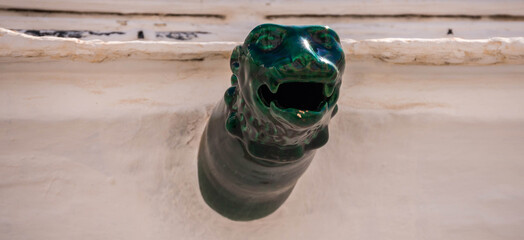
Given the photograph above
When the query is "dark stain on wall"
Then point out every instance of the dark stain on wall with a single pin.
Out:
(183, 36)
(67, 33)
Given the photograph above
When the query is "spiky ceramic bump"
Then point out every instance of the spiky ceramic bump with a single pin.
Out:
(262, 137)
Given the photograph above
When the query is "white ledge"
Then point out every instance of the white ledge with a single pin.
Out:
(444, 51)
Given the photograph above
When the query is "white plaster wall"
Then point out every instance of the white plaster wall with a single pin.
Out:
(108, 150)
(98, 138)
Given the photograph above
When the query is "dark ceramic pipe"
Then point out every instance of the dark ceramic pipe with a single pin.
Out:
(262, 137)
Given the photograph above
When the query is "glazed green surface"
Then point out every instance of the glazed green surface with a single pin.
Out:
(272, 55)
(261, 138)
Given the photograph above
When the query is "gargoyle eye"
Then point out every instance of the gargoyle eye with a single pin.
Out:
(269, 40)
(325, 37)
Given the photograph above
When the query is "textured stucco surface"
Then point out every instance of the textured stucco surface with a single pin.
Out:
(99, 135)
(108, 150)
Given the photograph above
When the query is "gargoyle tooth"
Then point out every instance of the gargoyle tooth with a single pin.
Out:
(329, 88)
(273, 86)
(324, 108)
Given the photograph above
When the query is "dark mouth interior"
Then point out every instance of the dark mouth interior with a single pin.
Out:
(297, 95)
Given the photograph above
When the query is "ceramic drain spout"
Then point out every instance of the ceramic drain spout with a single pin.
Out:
(263, 135)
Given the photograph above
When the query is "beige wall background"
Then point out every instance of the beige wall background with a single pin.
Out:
(99, 133)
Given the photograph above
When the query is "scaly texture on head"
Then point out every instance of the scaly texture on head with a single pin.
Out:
(285, 85)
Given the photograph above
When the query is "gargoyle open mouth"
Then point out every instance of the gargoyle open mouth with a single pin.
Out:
(305, 96)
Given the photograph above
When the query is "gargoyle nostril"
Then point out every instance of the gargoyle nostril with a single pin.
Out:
(298, 63)
(314, 66)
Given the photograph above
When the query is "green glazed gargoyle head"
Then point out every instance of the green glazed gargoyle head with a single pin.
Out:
(286, 82)
(262, 137)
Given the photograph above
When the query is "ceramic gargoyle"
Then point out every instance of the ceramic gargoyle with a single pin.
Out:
(263, 135)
